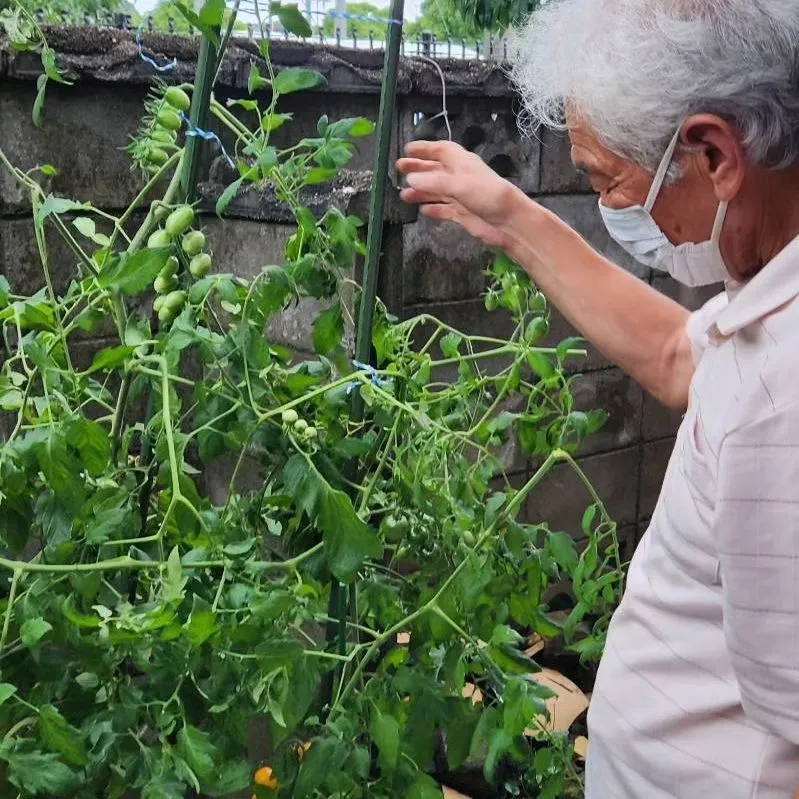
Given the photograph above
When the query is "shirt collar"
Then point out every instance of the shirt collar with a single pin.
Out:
(772, 287)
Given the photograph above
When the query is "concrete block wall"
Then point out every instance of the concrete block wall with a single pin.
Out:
(426, 268)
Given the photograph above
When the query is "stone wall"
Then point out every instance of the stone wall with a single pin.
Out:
(428, 268)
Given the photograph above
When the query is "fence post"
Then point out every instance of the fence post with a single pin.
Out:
(426, 42)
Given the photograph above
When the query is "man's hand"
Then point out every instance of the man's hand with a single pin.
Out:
(451, 184)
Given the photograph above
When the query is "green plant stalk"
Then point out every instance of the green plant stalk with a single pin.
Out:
(12, 595)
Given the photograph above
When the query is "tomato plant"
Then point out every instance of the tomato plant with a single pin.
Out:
(150, 614)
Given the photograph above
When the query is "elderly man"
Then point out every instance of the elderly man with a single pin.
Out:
(685, 116)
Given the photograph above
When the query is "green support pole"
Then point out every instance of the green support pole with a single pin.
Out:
(198, 115)
(385, 121)
(338, 608)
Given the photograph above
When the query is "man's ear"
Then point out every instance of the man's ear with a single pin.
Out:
(718, 152)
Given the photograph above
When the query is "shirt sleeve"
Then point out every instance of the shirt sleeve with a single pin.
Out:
(757, 532)
(700, 321)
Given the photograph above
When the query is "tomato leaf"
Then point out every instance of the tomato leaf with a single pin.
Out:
(196, 749)
(33, 630)
(385, 733)
(36, 773)
(62, 737)
(201, 624)
(38, 103)
(319, 175)
(227, 196)
(58, 206)
(295, 79)
(348, 540)
(274, 121)
(61, 470)
(88, 228)
(328, 329)
(109, 359)
(7, 690)
(356, 127)
(212, 13)
(291, 19)
(132, 274)
(92, 443)
(255, 81)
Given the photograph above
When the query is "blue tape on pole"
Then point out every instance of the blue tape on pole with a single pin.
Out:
(208, 135)
(159, 67)
(372, 372)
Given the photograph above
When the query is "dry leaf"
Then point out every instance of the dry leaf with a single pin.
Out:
(567, 704)
(450, 794)
(472, 691)
(581, 747)
(535, 644)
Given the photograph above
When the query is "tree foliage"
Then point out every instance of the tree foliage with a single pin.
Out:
(495, 15)
(74, 11)
(445, 20)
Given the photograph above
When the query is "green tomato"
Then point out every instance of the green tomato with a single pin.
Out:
(290, 417)
(300, 426)
(158, 303)
(168, 118)
(163, 136)
(310, 433)
(179, 221)
(158, 240)
(177, 98)
(165, 284)
(170, 267)
(165, 314)
(193, 243)
(200, 265)
(155, 155)
(491, 301)
(467, 536)
(536, 331)
(394, 528)
(175, 301)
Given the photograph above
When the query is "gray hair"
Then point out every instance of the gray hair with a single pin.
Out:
(635, 69)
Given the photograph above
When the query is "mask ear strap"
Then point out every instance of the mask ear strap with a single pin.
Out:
(660, 175)
(718, 223)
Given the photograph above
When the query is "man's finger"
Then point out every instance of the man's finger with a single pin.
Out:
(415, 197)
(432, 182)
(441, 212)
(408, 165)
(431, 150)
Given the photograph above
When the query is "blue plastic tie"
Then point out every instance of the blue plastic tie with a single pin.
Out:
(372, 372)
(208, 135)
(173, 64)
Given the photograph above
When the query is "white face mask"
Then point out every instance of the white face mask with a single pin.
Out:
(636, 231)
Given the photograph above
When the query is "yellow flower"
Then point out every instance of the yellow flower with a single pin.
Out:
(266, 779)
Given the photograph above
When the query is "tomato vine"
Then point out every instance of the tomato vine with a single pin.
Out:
(154, 609)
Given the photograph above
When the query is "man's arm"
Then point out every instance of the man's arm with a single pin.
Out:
(631, 323)
(628, 321)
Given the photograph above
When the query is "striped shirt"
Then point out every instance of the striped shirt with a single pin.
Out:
(697, 695)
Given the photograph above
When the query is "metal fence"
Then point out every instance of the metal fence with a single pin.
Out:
(346, 37)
